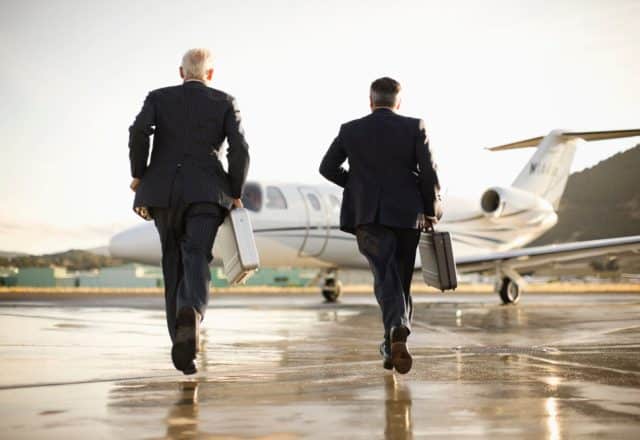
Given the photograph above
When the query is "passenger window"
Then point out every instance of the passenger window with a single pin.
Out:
(315, 203)
(335, 202)
(275, 198)
(252, 197)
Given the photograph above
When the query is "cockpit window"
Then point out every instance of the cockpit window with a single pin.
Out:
(315, 203)
(252, 197)
(275, 198)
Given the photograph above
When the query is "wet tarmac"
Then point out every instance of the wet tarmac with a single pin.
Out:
(553, 367)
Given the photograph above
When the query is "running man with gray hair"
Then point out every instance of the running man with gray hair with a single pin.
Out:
(390, 193)
(185, 190)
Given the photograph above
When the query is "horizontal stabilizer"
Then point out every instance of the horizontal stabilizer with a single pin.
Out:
(602, 135)
(533, 142)
(586, 135)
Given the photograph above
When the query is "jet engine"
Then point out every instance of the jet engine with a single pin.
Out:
(499, 202)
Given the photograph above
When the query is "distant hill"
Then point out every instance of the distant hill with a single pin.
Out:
(9, 254)
(72, 260)
(600, 202)
(102, 250)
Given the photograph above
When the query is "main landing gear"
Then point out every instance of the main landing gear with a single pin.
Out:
(332, 287)
(509, 285)
(508, 290)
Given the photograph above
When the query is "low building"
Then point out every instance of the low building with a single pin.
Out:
(141, 276)
(8, 276)
(52, 276)
(268, 277)
(129, 275)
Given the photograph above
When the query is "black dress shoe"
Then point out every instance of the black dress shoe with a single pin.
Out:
(185, 344)
(400, 356)
(385, 351)
(191, 369)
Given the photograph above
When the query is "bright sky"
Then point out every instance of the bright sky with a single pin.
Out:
(75, 74)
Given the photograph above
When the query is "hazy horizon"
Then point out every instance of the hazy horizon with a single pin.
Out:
(479, 73)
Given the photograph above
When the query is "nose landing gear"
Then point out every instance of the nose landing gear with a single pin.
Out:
(332, 287)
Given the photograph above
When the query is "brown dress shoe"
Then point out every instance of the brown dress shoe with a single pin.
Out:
(191, 369)
(400, 356)
(185, 344)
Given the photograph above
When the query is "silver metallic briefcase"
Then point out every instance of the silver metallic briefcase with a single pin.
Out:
(236, 246)
(438, 264)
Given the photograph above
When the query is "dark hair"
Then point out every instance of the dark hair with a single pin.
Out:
(384, 92)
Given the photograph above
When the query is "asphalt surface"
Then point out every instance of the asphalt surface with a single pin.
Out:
(553, 367)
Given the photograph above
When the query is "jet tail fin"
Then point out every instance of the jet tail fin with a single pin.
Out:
(547, 171)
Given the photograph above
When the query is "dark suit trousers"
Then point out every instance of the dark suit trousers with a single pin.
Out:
(391, 253)
(187, 232)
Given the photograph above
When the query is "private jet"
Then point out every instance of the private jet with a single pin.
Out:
(297, 225)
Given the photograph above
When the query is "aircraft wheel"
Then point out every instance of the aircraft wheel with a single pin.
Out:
(509, 291)
(331, 290)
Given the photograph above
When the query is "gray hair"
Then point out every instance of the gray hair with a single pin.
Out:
(196, 62)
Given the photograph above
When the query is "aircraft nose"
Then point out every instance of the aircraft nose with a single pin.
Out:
(140, 243)
(120, 245)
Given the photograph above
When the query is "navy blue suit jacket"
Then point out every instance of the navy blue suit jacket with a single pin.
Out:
(392, 177)
(189, 123)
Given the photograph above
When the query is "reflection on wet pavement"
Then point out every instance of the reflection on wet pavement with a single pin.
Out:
(286, 368)
(397, 409)
(182, 421)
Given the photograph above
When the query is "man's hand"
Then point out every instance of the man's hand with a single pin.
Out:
(134, 184)
(143, 212)
(425, 222)
(237, 203)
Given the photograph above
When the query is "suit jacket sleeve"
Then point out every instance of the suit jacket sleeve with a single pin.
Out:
(331, 166)
(238, 152)
(427, 174)
(139, 133)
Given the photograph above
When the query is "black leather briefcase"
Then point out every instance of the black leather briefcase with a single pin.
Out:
(438, 264)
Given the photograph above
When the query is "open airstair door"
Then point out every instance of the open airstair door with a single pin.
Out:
(317, 230)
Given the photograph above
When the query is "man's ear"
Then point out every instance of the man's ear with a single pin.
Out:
(181, 73)
(371, 106)
(209, 74)
(398, 103)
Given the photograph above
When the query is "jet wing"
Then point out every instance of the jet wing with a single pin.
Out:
(534, 257)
